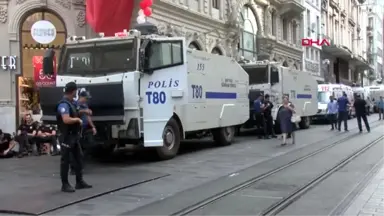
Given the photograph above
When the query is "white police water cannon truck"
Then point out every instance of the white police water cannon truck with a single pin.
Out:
(272, 78)
(151, 90)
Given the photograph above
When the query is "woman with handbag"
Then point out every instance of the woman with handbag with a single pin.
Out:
(287, 120)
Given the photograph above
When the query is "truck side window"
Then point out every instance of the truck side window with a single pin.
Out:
(165, 54)
(274, 75)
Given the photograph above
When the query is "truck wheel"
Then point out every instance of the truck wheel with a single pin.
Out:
(171, 141)
(224, 136)
(305, 123)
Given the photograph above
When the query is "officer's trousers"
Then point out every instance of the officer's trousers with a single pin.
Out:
(87, 142)
(71, 154)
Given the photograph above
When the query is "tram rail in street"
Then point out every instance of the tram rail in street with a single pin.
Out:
(215, 198)
(285, 202)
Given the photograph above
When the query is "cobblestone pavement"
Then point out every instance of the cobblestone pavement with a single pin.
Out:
(370, 202)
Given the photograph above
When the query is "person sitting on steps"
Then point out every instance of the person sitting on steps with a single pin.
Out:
(47, 134)
(26, 134)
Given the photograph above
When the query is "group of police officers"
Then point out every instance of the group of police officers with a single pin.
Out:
(338, 111)
(262, 107)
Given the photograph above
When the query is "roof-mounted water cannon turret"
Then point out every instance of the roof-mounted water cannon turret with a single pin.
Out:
(134, 32)
(146, 28)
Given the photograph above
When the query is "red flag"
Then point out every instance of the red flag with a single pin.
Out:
(109, 16)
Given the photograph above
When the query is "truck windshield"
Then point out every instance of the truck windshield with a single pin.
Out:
(323, 97)
(98, 58)
(257, 75)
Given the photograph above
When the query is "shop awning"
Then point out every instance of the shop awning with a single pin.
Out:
(109, 16)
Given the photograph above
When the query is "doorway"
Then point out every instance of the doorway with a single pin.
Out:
(39, 30)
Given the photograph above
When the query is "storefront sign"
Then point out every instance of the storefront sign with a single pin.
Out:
(8, 62)
(42, 80)
(43, 32)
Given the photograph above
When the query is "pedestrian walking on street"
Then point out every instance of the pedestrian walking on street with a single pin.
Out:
(332, 112)
(361, 113)
(268, 117)
(69, 124)
(343, 107)
(380, 106)
(285, 114)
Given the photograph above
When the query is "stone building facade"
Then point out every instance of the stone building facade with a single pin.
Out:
(345, 59)
(16, 17)
(254, 29)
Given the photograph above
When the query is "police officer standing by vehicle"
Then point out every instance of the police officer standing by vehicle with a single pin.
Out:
(69, 125)
(258, 108)
(268, 118)
(88, 128)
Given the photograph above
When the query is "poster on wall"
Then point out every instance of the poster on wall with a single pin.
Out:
(42, 80)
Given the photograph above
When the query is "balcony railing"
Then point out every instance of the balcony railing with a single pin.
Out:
(369, 28)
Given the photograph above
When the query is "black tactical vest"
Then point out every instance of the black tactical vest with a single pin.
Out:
(67, 131)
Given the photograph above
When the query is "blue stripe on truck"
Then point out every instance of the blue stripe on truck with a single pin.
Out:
(220, 95)
(303, 96)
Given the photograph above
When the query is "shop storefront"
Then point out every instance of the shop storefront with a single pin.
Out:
(28, 30)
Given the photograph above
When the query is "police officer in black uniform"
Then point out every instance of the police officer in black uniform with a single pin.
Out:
(69, 125)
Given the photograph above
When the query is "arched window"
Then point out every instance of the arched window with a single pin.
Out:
(31, 48)
(194, 45)
(32, 52)
(247, 46)
(217, 51)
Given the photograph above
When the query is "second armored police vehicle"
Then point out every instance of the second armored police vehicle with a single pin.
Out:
(275, 80)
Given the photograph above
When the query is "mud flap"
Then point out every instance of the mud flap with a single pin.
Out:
(106, 103)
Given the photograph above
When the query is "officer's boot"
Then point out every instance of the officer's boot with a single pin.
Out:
(66, 187)
(80, 183)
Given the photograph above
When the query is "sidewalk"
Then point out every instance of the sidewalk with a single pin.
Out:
(370, 202)
(34, 180)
